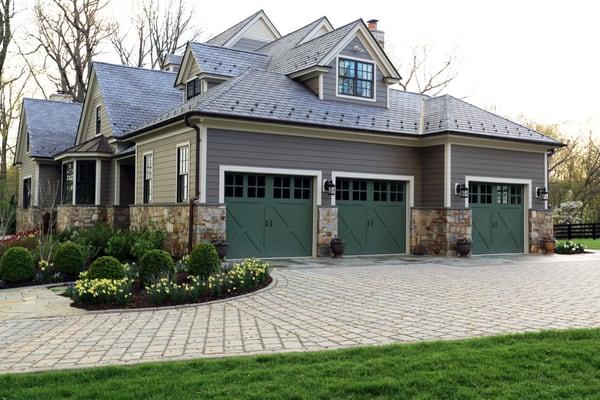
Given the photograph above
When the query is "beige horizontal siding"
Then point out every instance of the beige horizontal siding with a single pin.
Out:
(165, 167)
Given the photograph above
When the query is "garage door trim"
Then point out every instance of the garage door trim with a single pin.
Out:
(527, 203)
(410, 188)
(316, 174)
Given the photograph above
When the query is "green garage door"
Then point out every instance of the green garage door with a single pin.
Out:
(268, 216)
(497, 218)
(371, 216)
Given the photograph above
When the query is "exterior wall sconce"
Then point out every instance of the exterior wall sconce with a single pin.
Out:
(541, 193)
(462, 190)
(329, 187)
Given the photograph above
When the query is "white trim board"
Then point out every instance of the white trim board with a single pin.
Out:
(318, 184)
(448, 175)
(189, 168)
(410, 179)
(527, 204)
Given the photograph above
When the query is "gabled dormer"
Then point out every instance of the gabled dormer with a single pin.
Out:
(253, 32)
(347, 64)
(94, 117)
(204, 66)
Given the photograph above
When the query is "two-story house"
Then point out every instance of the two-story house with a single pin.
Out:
(279, 143)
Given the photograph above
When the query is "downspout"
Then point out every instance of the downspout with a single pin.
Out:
(193, 200)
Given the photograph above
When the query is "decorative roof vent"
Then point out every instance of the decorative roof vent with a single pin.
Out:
(379, 35)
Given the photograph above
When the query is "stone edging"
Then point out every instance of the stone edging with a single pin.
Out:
(180, 306)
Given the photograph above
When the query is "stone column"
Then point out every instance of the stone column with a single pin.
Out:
(210, 222)
(540, 225)
(435, 230)
(327, 222)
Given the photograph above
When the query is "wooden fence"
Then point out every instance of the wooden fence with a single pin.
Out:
(577, 231)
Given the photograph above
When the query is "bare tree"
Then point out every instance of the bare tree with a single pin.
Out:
(420, 77)
(45, 218)
(158, 32)
(7, 12)
(69, 32)
(11, 96)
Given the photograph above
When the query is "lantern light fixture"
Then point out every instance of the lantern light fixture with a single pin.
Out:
(329, 187)
(541, 193)
(462, 190)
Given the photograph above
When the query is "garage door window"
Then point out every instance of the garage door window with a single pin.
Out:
(234, 185)
(342, 189)
(302, 188)
(256, 186)
(516, 195)
(396, 192)
(480, 194)
(379, 191)
(282, 187)
(359, 190)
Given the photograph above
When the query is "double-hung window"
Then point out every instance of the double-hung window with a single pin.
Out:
(147, 195)
(183, 158)
(98, 119)
(26, 192)
(355, 78)
(193, 88)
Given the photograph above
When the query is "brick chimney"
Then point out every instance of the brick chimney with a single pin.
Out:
(61, 96)
(379, 35)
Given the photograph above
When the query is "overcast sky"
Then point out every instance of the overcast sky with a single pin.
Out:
(538, 59)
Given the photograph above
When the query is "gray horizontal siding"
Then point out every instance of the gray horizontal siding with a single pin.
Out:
(107, 183)
(277, 151)
(49, 184)
(432, 176)
(329, 79)
(478, 161)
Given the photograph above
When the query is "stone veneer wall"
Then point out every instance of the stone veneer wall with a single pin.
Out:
(118, 216)
(27, 219)
(540, 225)
(327, 229)
(69, 216)
(437, 229)
(173, 220)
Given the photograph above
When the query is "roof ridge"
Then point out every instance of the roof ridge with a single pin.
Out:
(53, 101)
(229, 48)
(292, 32)
(132, 67)
(246, 20)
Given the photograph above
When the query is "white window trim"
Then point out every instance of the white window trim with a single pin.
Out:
(189, 162)
(527, 204)
(148, 153)
(36, 189)
(337, 77)
(447, 175)
(74, 182)
(317, 185)
(98, 188)
(546, 177)
(117, 168)
(96, 134)
(203, 162)
(410, 196)
(185, 98)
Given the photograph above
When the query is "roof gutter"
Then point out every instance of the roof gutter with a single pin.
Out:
(188, 123)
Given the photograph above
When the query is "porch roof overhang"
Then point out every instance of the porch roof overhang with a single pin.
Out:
(97, 147)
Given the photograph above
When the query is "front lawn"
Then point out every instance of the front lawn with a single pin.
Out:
(559, 365)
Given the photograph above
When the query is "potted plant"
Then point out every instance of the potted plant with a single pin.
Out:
(549, 244)
(222, 247)
(418, 250)
(463, 246)
(337, 246)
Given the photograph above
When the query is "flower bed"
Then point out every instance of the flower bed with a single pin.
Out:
(569, 247)
(171, 288)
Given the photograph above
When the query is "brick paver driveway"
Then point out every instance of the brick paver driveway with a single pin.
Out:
(368, 302)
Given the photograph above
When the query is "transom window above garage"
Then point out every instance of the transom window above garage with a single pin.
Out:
(355, 78)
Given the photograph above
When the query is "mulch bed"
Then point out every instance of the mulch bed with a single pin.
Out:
(140, 299)
(66, 279)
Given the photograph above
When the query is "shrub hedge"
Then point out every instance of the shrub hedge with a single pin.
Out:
(107, 267)
(16, 265)
(154, 265)
(69, 258)
(203, 260)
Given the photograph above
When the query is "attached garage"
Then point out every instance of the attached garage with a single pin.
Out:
(269, 215)
(371, 215)
(498, 217)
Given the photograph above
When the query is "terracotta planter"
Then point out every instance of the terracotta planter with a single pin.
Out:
(549, 246)
(337, 247)
(463, 248)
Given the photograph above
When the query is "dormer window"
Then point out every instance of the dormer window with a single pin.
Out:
(98, 119)
(193, 88)
(355, 78)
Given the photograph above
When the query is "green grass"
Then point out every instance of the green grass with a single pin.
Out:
(592, 244)
(548, 365)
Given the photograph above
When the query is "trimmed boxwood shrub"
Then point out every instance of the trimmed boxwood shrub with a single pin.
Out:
(69, 258)
(16, 265)
(107, 267)
(155, 264)
(204, 260)
(119, 246)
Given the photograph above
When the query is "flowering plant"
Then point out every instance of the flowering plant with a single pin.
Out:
(167, 290)
(102, 291)
(570, 247)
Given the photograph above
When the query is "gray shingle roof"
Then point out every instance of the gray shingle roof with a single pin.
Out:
(225, 61)
(174, 59)
(52, 125)
(290, 40)
(311, 53)
(223, 37)
(270, 96)
(134, 95)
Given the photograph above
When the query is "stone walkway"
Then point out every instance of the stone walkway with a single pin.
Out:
(315, 306)
(34, 302)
